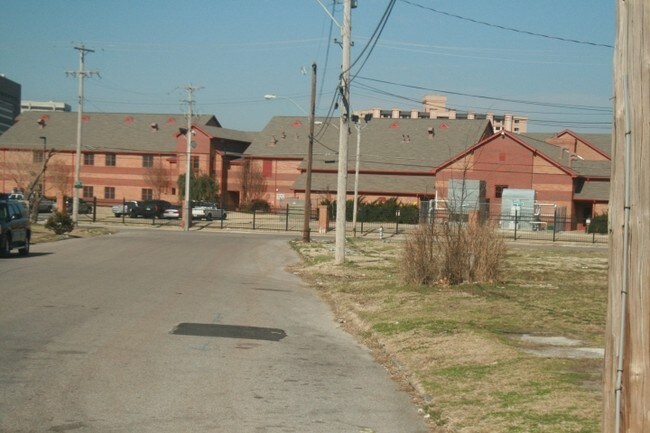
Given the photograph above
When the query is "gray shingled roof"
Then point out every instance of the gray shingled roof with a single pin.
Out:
(555, 153)
(103, 131)
(230, 134)
(390, 185)
(593, 190)
(602, 142)
(387, 145)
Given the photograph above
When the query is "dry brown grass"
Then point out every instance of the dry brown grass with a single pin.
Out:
(453, 254)
(459, 347)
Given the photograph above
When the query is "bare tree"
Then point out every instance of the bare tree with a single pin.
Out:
(627, 359)
(27, 175)
(158, 178)
(59, 175)
(22, 169)
(252, 182)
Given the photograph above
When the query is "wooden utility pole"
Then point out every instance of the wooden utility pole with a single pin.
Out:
(82, 73)
(306, 237)
(344, 136)
(627, 345)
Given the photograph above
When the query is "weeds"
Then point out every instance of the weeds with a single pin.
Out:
(452, 253)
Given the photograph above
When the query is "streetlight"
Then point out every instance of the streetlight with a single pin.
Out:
(366, 118)
(269, 97)
(310, 150)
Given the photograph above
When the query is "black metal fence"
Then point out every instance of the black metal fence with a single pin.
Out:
(552, 228)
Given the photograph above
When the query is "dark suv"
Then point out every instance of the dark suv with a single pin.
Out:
(84, 206)
(15, 228)
(150, 209)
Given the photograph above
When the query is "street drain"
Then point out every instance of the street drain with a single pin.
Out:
(229, 331)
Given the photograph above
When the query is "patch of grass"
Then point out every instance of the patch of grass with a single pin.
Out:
(461, 342)
(434, 326)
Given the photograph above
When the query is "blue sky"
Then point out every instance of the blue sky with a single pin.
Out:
(479, 53)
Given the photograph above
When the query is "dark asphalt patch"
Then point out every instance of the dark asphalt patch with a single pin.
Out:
(229, 331)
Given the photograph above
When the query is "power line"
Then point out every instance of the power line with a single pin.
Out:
(492, 98)
(511, 29)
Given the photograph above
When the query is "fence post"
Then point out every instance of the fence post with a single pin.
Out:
(123, 206)
(397, 213)
(554, 222)
(94, 209)
(516, 222)
(254, 219)
(286, 224)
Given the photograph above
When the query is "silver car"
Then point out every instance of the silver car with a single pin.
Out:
(208, 211)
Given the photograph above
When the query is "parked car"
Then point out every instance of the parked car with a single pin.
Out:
(172, 213)
(151, 209)
(15, 228)
(84, 206)
(126, 208)
(209, 211)
(46, 205)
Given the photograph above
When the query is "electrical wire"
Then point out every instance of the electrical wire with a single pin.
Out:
(511, 29)
(492, 98)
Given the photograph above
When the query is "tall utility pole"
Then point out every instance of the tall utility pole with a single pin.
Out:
(626, 392)
(357, 124)
(81, 74)
(344, 135)
(310, 152)
(187, 211)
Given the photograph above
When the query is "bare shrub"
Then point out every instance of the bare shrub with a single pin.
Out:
(452, 253)
(419, 263)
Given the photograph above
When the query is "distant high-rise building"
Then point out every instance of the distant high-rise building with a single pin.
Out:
(9, 102)
(43, 106)
(435, 107)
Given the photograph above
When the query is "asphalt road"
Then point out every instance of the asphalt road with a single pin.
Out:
(168, 331)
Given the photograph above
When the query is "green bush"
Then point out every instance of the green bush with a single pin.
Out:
(378, 211)
(599, 224)
(59, 223)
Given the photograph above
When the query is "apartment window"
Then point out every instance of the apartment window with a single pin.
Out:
(147, 194)
(37, 156)
(88, 192)
(109, 192)
(498, 190)
(194, 162)
(89, 159)
(147, 160)
(111, 159)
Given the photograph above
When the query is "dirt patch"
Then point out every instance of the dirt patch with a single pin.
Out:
(559, 347)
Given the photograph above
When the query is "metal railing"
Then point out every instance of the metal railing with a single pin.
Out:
(552, 228)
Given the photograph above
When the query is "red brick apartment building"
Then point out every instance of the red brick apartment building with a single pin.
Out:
(139, 156)
(124, 156)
